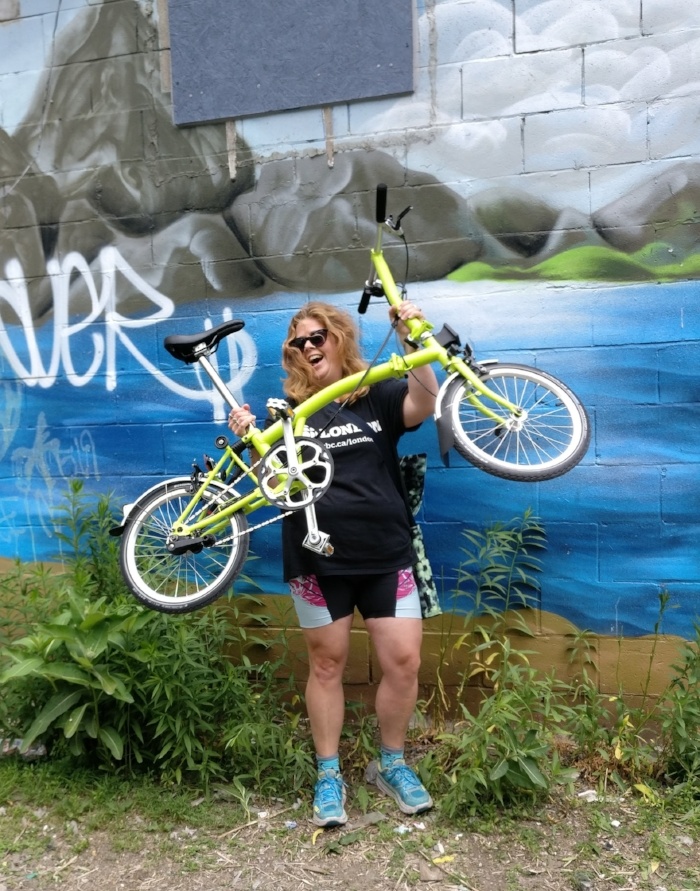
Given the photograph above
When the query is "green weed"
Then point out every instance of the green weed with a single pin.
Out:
(504, 753)
(680, 719)
(114, 689)
(533, 732)
(100, 679)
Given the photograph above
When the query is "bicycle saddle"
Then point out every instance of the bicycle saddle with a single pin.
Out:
(189, 347)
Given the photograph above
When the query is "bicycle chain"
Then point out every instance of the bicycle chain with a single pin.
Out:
(251, 529)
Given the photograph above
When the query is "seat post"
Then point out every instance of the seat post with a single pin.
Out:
(215, 378)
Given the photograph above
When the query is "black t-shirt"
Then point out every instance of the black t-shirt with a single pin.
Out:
(363, 511)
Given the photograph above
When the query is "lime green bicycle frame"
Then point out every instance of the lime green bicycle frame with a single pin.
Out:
(397, 366)
(510, 420)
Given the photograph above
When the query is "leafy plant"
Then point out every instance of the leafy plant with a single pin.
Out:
(113, 684)
(267, 744)
(504, 752)
(70, 654)
(614, 740)
(680, 718)
(22, 589)
(532, 730)
(109, 684)
(500, 566)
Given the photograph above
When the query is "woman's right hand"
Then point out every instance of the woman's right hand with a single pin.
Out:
(240, 419)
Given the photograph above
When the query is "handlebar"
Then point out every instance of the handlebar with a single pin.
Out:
(364, 301)
(373, 286)
(380, 215)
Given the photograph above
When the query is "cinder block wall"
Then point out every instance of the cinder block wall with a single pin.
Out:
(535, 129)
(639, 669)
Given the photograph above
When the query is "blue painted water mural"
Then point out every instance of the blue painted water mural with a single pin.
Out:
(621, 526)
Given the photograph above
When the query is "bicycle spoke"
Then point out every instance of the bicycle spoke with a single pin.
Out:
(175, 582)
(544, 434)
(536, 442)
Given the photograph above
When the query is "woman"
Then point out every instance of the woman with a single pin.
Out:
(365, 513)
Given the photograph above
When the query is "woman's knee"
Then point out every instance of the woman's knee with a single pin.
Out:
(328, 649)
(403, 664)
(327, 665)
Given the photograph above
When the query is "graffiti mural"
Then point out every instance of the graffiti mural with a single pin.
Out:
(551, 155)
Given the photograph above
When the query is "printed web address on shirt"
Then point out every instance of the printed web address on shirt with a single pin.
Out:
(348, 442)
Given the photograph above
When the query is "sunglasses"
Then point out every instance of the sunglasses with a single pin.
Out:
(316, 339)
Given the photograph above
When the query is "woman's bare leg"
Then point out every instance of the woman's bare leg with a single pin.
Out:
(328, 649)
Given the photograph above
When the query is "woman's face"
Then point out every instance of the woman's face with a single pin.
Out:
(324, 361)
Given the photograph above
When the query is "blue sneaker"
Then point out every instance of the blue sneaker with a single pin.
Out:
(329, 799)
(401, 783)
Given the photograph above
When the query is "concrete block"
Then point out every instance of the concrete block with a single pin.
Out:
(635, 435)
(485, 149)
(541, 26)
(664, 16)
(636, 552)
(680, 493)
(585, 137)
(22, 39)
(637, 666)
(528, 84)
(643, 69)
(471, 30)
(677, 380)
(674, 127)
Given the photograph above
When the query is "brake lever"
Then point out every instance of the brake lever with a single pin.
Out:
(395, 225)
(402, 215)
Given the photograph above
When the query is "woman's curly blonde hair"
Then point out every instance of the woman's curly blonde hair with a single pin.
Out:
(299, 383)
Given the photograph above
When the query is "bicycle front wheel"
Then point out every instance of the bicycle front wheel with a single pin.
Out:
(179, 582)
(548, 435)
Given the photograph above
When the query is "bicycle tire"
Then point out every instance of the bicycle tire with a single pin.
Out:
(549, 439)
(178, 583)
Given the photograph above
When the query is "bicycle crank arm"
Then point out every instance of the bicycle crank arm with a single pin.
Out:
(316, 541)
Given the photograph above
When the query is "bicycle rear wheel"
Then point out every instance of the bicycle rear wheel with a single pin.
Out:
(179, 583)
(548, 438)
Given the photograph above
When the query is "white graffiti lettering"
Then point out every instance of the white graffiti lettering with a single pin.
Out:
(48, 462)
(111, 329)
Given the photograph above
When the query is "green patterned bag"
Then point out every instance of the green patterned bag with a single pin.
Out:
(413, 469)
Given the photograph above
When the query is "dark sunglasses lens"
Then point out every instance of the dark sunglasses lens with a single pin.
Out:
(317, 339)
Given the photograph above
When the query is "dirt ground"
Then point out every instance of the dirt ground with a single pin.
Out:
(575, 844)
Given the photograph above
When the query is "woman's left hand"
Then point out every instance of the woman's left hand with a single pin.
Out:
(402, 313)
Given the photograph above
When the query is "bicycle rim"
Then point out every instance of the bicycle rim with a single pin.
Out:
(548, 437)
(179, 583)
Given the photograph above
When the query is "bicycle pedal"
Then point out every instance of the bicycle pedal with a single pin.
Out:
(319, 543)
(280, 409)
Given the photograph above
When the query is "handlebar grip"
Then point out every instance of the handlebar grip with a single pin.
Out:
(364, 301)
(381, 202)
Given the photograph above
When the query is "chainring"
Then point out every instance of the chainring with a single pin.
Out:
(312, 467)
